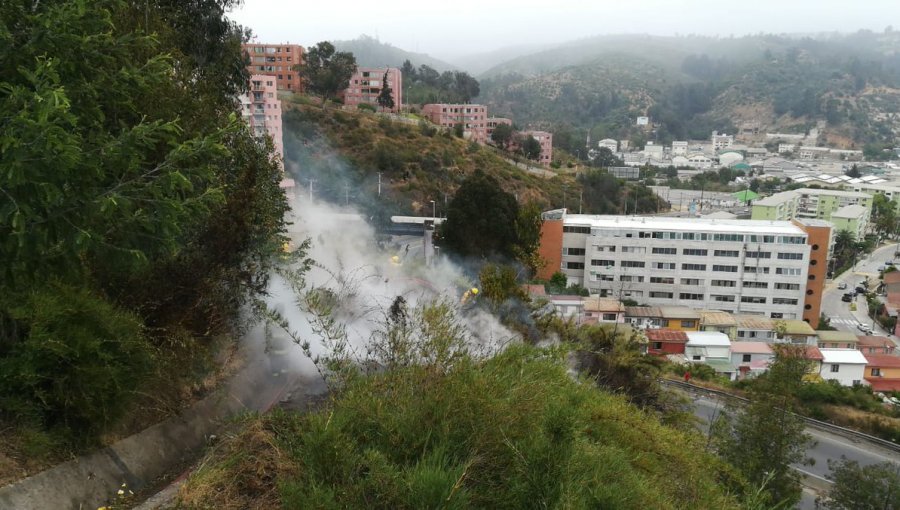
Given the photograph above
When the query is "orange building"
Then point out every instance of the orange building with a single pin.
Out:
(278, 61)
(550, 249)
(819, 239)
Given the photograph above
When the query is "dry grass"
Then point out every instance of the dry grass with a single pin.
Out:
(241, 473)
(860, 420)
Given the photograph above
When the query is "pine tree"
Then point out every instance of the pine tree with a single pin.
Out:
(385, 98)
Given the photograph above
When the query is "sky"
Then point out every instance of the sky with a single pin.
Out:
(447, 29)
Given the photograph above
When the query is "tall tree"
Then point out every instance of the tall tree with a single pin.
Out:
(764, 438)
(385, 98)
(531, 148)
(481, 219)
(325, 71)
(873, 487)
(502, 135)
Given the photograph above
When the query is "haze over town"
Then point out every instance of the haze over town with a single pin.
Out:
(453, 30)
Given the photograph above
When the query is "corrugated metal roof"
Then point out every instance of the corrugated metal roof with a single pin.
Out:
(713, 338)
(750, 348)
(642, 311)
(678, 312)
(598, 304)
(754, 322)
(798, 327)
(843, 356)
(883, 360)
(837, 336)
(717, 318)
(875, 341)
(666, 335)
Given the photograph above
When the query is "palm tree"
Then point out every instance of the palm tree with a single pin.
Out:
(844, 248)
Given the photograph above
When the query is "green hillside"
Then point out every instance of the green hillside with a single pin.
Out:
(690, 86)
(371, 52)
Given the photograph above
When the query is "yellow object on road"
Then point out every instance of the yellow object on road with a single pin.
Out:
(469, 294)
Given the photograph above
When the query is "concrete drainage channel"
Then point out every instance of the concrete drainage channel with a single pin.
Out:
(91, 481)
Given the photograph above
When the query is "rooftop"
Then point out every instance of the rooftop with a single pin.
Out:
(666, 335)
(598, 304)
(843, 356)
(754, 322)
(813, 353)
(776, 199)
(642, 311)
(874, 341)
(892, 277)
(760, 227)
(850, 211)
(797, 327)
(716, 318)
(678, 312)
(750, 348)
(879, 384)
(712, 338)
(832, 192)
(837, 336)
(883, 360)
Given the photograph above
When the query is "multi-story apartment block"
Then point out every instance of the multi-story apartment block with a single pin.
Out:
(737, 266)
(367, 82)
(546, 140)
(722, 141)
(852, 218)
(809, 203)
(278, 61)
(472, 117)
(679, 148)
(261, 109)
(821, 242)
(493, 122)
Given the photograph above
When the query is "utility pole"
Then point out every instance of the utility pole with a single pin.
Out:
(580, 199)
(311, 181)
(379, 184)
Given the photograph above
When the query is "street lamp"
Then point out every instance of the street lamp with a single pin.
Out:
(433, 210)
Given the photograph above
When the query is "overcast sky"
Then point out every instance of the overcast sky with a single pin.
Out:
(447, 28)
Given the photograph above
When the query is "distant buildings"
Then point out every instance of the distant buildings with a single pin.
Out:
(679, 148)
(261, 109)
(472, 117)
(642, 121)
(809, 203)
(277, 61)
(609, 143)
(722, 141)
(366, 84)
(544, 138)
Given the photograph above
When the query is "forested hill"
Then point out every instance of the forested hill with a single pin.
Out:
(370, 52)
(692, 85)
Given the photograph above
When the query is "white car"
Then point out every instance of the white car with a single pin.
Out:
(842, 285)
(864, 328)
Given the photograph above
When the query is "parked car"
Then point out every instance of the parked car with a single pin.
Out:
(864, 328)
(860, 290)
(848, 297)
(842, 285)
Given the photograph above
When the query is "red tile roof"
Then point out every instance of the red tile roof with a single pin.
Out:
(666, 335)
(879, 384)
(883, 360)
(875, 341)
(892, 277)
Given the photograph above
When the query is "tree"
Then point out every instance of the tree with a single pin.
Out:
(531, 148)
(853, 172)
(385, 98)
(764, 438)
(605, 158)
(873, 487)
(481, 219)
(884, 215)
(528, 230)
(502, 135)
(325, 71)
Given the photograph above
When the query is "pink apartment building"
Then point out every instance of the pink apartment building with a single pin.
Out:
(473, 118)
(546, 140)
(278, 61)
(493, 122)
(366, 83)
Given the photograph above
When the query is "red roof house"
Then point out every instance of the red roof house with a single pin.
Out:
(662, 342)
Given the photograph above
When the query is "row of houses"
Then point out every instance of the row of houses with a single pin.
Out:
(737, 346)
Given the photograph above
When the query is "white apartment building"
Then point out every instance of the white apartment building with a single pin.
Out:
(737, 266)
(679, 148)
(722, 141)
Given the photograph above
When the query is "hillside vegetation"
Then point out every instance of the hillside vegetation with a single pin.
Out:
(692, 85)
(512, 431)
(370, 52)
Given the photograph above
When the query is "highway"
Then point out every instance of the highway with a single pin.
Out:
(826, 447)
(838, 311)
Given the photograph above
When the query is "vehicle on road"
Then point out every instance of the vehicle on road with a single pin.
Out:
(848, 297)
(864, 328)
(842, 285)
(860, 290)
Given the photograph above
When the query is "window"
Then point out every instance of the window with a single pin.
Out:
(691, 281)
(695, 357)
(665, 251)
(632, 263)
(634, 249)
(729, 237)
(783, 301)
(608, 248)
(573, 251)
(631, 278)
(756, 300)
(835, 369)
(693, 267)
(574, 265)
(723, 283)
(756, 270)
(787, 286)
(663, 280)
(663, 265)
(609, 316)
(603, 263)
(694, 252)
(577, 230)
(746, 358)
(759, 254)
(657, 345)
(726, 253)
(790, 256)
(602, 277)
(725, 269)
(788, 271)
(721, 298)
(776, 315)
(876, 372)
(792, 240)
(756, 285)
(688, 324)
(691, 297)
(662, 295)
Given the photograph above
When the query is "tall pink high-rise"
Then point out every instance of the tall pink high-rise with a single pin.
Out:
(261, 109)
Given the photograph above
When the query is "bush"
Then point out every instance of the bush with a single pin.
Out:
(79, 364)
(365, 107)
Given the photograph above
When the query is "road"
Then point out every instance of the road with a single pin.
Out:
(826, 447)
(838, 311)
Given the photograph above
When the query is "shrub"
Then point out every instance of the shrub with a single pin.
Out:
(365, 107)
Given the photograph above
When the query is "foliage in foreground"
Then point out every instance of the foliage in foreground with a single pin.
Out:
(873, 487)
(456, 431)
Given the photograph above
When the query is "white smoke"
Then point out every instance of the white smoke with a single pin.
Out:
(367, 278)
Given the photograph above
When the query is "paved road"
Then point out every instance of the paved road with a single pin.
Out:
(826, 447)
(838, 311)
